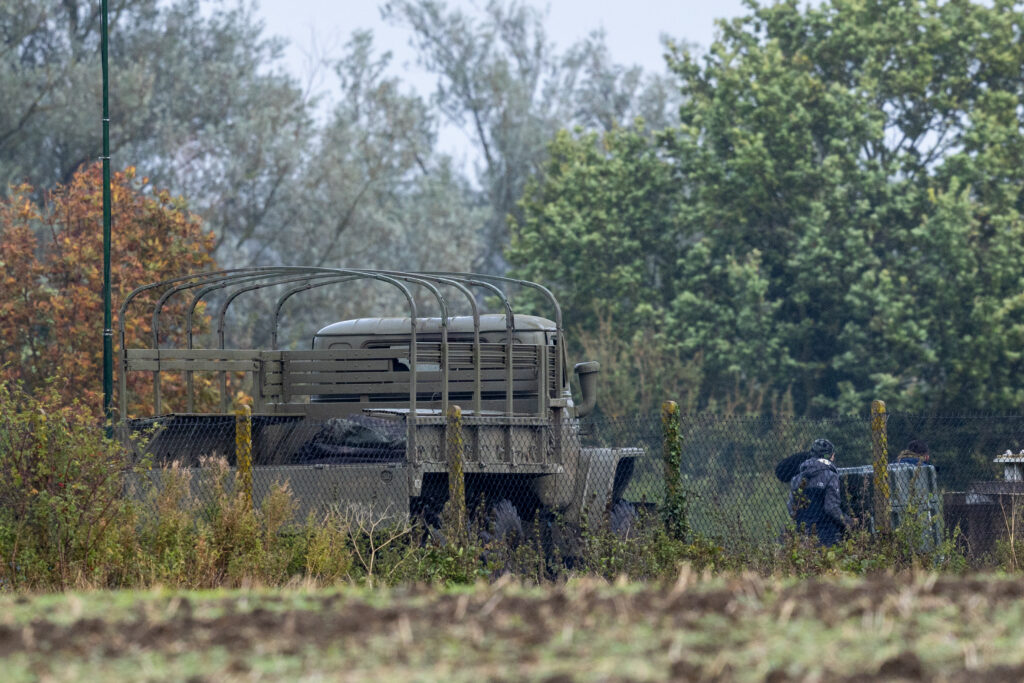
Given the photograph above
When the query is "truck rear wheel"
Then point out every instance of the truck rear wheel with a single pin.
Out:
(504, 524)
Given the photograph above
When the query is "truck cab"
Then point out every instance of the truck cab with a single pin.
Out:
(445, 357)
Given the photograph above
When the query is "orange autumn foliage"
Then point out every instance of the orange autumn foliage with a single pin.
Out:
(51, 275)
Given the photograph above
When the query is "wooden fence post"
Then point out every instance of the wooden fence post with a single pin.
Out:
(675, 512)
(243, 449)
(880, 461)
(455, 523)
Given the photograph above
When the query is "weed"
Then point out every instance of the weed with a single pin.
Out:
(328, 557)
(61, 496)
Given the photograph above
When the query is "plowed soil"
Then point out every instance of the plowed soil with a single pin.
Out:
(746, 628)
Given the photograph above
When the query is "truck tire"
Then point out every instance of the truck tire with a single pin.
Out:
(622, 519)
(504, 524)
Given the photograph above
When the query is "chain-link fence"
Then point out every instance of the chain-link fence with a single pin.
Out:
(607, 471)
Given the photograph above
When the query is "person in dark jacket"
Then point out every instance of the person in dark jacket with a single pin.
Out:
(916, 453)
(814, 496)
(788, 467)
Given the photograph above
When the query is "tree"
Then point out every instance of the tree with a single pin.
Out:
(603, 228)
(51, 304)
(371, 192)
(199, 103)
(848, 188)
(607, 211)
(195, 101)
(373, 169)
(506, 86)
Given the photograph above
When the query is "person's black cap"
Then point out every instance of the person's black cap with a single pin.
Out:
(822, 448)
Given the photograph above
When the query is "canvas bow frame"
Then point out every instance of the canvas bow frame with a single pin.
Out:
(287, 382)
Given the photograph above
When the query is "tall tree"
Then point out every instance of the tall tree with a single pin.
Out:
(848, 193)
(371, 192)
(50, 300)
(196, 101)
(200, 103)
(503, 83)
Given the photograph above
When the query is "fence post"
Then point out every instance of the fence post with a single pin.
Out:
(675, 510)
(455, 508)
(243, 449)
(880, 461)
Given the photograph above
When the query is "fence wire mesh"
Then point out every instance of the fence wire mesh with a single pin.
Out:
(609, 471)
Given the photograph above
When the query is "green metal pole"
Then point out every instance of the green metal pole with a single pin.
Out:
(108, 324)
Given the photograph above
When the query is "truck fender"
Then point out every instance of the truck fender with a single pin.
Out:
(597, 484)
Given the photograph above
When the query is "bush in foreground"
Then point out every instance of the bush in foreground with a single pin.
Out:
(61, 502)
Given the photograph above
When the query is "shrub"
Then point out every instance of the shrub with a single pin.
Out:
(862, 552)
(328, 557)
(166, 528)
(218, 538)
(61, 483)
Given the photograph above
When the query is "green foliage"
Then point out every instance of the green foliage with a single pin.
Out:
(201, 106)
(635, 371)
(836, 217)
(61, 497)
(327, 556)
(65, 520)
(168, 531)
(862, 552)
(502, 81)
(675, 510)
(219, 540)
(600, 227)
(526, 558)
(449, 564)
(647, 550)
(1008, 550)
(341, 165)
(192, 87)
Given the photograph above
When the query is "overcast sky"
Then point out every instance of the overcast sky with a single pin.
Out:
(315, 28)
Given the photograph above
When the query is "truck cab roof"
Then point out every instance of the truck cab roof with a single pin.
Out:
(491, 322)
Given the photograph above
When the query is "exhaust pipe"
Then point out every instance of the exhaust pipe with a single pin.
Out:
(586, 372)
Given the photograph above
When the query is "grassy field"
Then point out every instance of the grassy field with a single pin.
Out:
(914, 627)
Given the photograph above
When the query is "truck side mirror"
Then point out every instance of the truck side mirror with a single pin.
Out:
(586, 372)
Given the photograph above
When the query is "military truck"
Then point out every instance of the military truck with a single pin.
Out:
(359, 418)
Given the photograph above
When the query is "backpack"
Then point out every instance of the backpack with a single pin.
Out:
(789, 467)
